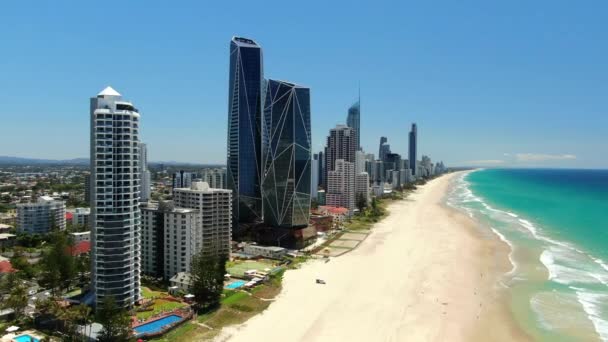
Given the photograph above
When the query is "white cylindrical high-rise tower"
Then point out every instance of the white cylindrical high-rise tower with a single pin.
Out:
(115, 192)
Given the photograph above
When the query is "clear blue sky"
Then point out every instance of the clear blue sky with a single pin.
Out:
(512, 83)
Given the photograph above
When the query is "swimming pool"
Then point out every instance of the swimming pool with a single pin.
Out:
(156, 326)
(26, 338)
(235, 285)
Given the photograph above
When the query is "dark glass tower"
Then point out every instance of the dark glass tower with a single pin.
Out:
(245, 103)
(413, 148)
(353, 120)
(286, 155)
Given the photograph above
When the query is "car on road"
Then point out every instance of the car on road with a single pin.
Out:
(31, 292)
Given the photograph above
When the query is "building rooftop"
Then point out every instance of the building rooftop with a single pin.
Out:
(241, 41)
(6, 267)
(109, 91)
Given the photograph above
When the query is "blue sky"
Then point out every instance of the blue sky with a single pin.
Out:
(515, 83)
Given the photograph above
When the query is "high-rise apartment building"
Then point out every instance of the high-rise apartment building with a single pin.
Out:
(341, 185)
(146, 182)
(215, 177)
(314, 176)
(413, 148)
(362, 186)
(153, 237)
(115, 214)
(286, 155)
(182, 179)
(245, 106)
(384, 148)
(340, 145)
(214, 206)
(41, 217)
(353, 120)
(322, 170)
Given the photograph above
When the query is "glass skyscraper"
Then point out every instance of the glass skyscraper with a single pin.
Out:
(245, 105)
(286, 155)
(353, 120)
(413, 148)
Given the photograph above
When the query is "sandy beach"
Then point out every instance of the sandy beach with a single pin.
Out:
(426, 273)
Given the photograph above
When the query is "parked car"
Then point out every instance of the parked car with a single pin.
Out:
(320, 281)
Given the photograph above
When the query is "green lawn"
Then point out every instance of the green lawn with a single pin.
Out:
(147, 293)
(159, 304)
(238, 268)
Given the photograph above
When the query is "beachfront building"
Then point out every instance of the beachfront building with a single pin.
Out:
(115, 214)
(362, 187)
(146, 181)
(245, 106)
(215, 177)
(270, 252)
(153, 237)
(214, 206)
(182, 179)
(183, 238)
(286, 155)
(413, 149)
(341, 186)
(384, 149)
(41, 216)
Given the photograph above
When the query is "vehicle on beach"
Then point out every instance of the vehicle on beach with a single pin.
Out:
(320, 281)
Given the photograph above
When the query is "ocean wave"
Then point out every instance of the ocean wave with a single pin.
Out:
(567, 266)
(591, 303)
(511, 247)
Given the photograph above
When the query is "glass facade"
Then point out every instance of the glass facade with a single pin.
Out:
(353, 120)
(413, 147)
(244, 129)
(286, 155)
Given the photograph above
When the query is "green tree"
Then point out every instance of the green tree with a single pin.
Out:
(361, 202)
(208, 272)
(115, 320)
(59, 266)
(16, 300)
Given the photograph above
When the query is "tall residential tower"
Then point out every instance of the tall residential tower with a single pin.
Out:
(245, 105)
(286, 154)
(115, 215)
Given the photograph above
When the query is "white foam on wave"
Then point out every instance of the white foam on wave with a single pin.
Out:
(591, 304)
(511, 247)
(568, 266)
(512, 214)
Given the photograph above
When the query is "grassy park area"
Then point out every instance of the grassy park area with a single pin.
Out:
(159, 305)
(236, 307)
(237, 268)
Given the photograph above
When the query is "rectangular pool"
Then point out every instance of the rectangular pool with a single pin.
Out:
(26, 338)
(156, 326)
(235, 285)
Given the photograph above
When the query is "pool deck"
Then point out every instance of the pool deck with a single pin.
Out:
(185, 315)
(11, 336)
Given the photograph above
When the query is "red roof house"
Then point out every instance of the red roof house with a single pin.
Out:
(6, 267)
(80, 248)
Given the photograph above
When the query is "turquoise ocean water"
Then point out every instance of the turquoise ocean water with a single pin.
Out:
(556, 223)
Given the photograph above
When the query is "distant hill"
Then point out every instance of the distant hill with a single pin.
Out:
(5, 160)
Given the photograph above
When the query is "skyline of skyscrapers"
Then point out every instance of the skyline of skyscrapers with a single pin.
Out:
(115, 214)
(286, 156)
(245, 106)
